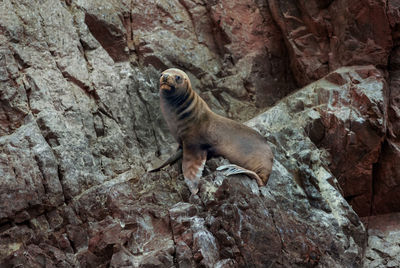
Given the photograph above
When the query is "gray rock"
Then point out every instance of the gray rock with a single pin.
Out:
(29, 171)
(383, 249)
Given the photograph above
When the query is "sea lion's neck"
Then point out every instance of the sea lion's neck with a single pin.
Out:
(176, 99)
(188, 108)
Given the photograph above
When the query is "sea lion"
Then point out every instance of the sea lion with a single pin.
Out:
(202, 133)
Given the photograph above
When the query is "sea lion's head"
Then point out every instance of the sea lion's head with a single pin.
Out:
(174, 81)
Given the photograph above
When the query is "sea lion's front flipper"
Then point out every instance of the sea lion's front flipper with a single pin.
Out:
(193, 163)
(234, 169)
(175, 157)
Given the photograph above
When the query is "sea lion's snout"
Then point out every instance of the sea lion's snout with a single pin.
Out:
(164, 81)
(164, 77)
(172, 79)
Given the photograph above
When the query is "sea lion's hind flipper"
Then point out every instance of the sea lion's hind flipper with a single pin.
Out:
(170, 161)
(234, 169)
(193, 163)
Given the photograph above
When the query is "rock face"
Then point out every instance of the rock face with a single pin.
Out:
(383, 235)
(343, 113)
(324, 35)
(80, 125)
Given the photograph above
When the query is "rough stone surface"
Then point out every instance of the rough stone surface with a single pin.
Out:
(324, 35)
(383, 248)
(80, 125)
(387, 182)
(344, 113)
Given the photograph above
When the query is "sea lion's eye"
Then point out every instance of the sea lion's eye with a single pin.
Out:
(178, 79)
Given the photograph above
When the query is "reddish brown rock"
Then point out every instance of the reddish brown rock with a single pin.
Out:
(255, 63)
(324, 35)
(387, 179)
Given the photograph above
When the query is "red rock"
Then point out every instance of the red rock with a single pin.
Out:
(386, 189)
(322, 36)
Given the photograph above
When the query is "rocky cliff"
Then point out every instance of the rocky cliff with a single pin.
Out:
(80, 124)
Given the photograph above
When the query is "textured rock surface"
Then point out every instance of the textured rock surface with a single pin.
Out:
(383, 248)
(387, 183)
(344, 113)
(80, 125)
(324, 35)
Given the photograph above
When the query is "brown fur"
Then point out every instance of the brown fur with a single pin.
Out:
(201, 132)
